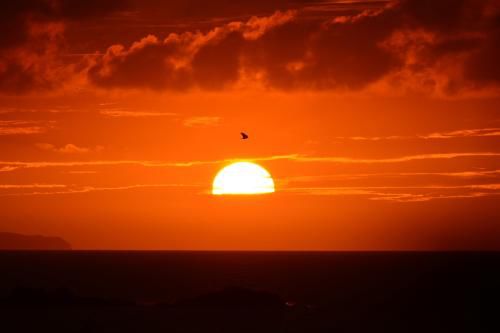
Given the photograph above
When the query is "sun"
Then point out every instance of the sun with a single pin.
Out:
(243, 178)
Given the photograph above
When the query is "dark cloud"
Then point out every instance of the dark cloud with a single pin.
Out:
(223, 10)
(13, 78)
(31, 32)
(410, 37)
(463, 43)
(14, 20)
(437, 46)
(482, 67)
(283, 50)
(207, 60)
(218, 60)
(335, 56)
(16, 17)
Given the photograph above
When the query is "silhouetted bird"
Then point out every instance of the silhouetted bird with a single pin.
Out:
(244, 136)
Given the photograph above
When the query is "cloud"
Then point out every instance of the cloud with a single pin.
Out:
(428, 46)
(113, 113)
(17, 17)
(376, 193)
(181, 61)
(82, 172)
(280, 51)
(445, 48)
(68, 148)
(201, 121)
(15, 165)
(8, 168)
(72, 189)
(403, 193)
(394, 194)
(383, 175)
(22, 16)
(476, 132)
(23, 127)
(30, 186)
(21, 110)
(33, 36)
(334, 159)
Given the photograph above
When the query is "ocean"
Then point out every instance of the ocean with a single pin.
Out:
(100, 291)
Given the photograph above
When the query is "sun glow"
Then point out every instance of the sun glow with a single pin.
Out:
(243, 178)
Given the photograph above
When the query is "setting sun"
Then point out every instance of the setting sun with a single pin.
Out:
(243, 178)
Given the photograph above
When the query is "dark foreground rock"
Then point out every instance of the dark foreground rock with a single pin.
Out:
(229, 310)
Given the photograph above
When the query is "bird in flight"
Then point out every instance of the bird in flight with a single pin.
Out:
(244, 136)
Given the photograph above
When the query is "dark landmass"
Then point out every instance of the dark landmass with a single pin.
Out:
(12, 241)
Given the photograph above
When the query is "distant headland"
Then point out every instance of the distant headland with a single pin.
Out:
(13, 241)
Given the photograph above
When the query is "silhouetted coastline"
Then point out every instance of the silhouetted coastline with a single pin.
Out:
(13, 241)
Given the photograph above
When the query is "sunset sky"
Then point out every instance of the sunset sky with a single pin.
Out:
(379, 122)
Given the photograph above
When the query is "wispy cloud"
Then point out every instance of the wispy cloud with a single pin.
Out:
(377, 193)
(402, 193)
(477, 132)
(409, 197)
(462, 133)
(52, 109)
(12, 165)
(461, 174)
(373, 138)
(81, 172)
(73, 189)
(23, 127)
(8, 168)
(333, 159)
(115, 113)
(348, 176)
(201, 121)
(68, 148)
(30, 186)
(329, 8)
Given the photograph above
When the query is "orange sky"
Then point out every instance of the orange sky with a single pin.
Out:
(379, 122)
